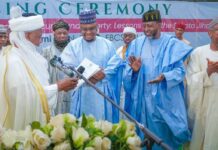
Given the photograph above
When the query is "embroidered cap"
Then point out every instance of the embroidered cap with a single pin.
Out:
(87, 17)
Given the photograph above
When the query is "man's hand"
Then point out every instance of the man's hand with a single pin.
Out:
(97, 77)
(212, 67)
(67, 84)
(157, 80)
(135, 63)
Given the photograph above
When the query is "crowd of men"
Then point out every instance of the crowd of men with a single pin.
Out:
(145, 77)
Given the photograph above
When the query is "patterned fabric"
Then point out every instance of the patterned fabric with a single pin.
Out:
(151, 15)
(87, 17)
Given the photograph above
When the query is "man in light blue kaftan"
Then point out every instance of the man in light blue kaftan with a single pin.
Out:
(155, 77)
(102, 52)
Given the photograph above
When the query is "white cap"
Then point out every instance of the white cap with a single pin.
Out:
(129, 30)
(18, 23)
(212, 23)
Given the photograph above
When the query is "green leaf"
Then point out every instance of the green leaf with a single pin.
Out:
(121, 131)
(18, 146)
(35, 125)
(47, 129)
(78, 143)
(93, 132)
(84, 121)
(90, 122)
(89, 143)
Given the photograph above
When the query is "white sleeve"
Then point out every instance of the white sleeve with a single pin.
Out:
(52, 94)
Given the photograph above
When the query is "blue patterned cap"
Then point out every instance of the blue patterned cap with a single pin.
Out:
(87, 17)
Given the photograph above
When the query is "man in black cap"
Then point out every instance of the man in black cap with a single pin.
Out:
(60, 41)
(154, 77)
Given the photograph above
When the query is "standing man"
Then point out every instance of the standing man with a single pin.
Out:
(60, 41)
(25, 94)
(102, 52)
(202, 81)
(129, 34)
(179, 31)
(3, 36)
(155, 77)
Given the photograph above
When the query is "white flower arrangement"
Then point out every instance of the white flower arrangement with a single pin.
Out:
(65, 132)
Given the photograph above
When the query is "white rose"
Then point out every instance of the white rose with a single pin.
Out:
(97, 143)
(69, 118)
(106, 144)
(24, 135)
(57, 121)
(63, 146)
(105, 126)
(28, 145)
(134, 142)
(79, 136)
(40, 139)
(58, 134)
(9, 138)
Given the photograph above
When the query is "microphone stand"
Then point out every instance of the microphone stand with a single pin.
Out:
(150, 138)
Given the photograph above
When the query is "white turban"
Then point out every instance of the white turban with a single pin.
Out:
(129, 30)
(18, 23)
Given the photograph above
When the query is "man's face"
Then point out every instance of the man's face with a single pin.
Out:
(61, 34)
(3, 39)
(213, 33)
(34, 37)
(151, 29)
(128, 37)
(88, 31)
(179, 32)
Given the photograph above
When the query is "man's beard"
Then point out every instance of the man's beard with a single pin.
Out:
(61, 44)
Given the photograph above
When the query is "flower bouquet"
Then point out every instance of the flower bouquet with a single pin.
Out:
(65, 132)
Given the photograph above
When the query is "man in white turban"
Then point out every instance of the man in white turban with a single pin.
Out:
(25, 94)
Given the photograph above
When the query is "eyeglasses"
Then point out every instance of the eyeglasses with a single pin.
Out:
(91, 29)
(128, 35)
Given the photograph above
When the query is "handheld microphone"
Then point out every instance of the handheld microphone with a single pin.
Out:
(57, 62)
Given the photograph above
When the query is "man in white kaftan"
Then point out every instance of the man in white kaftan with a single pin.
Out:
(202, 80)
(25, 94)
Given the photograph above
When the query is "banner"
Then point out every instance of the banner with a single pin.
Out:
(114, 15)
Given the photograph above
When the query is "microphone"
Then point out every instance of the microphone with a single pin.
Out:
(57, 62)
(81, 69)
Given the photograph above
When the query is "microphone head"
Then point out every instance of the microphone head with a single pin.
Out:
(55, 60)
(81, 69)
